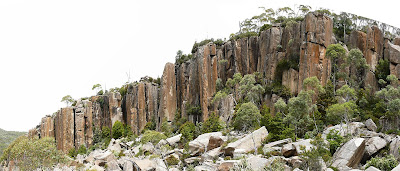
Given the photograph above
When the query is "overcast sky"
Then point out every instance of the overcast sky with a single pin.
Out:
(52, 48)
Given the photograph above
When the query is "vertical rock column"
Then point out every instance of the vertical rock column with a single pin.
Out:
(47, 127)
(317, 35)
(168, 105)
(64, 129)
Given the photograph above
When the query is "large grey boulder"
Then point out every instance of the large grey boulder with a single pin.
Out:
(144, 164)
(370, 124)
(372, 168)
(199, 145)
(295, 148)
(257, 162)
(343, 129)
(394, 147)
(248, 143)
(172, 141)
(350, 154)
(114, 145)
(374, 144)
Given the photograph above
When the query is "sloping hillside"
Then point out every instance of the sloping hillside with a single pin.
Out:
(6, 137)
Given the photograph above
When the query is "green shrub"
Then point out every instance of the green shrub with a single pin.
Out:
(212, 124)
(247, 117)
(166, 128)
(386, 163)
(33, 153)
(335, 140)
(172, 160)
(72, 153)
(105, 132)
(82, 150)
(188, 131)
(118, 130)
(150, 125)
(152, 136)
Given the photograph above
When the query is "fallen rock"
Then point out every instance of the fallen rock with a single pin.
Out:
(199, 145)
(113, 165)
(370, 124)
(289, 150)
(213, 153)
(394, 147)
(174, 140)
(248, 143)
(226, 165)
(343, 129)
(114, 145)
(104, 158)
(148, 147)
(145, 164)
(397, 168)
(256, 162)
(206, 166)
(214, 142)
(98, 168)
(279, 143)
(374, 144)
(350, 154)
(295, 161)
(372, 168)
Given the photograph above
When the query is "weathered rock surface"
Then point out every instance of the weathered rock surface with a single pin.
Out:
(350, 154)
(374, 144)
(394, 147)
(47, 127)
(313, 62)
(249, 142)
(64, 130)
(370, 124)
(168, 94)
(199, 144)
(214, 142)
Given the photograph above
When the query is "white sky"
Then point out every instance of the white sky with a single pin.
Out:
(52, 48)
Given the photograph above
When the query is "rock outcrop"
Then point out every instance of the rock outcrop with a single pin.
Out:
(350, 154)
(168, 104)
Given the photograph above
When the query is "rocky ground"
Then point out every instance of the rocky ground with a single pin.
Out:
(238, 151)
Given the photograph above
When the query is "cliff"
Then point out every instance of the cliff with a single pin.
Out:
(193, 82)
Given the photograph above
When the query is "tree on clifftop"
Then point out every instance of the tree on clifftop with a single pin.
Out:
(98, 89)
(67, 99)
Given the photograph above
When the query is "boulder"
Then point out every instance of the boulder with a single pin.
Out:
(344, 129)
(148, 147)
(206, 166)
(201, 142)
(98, 168)
(394, 147)
(144, 164)
(226, 165)
(113, 165)
(256, 162)
(397, 168)
(214, 142)
(350, 154)
(248, 143)
(370, 124)
(279, 143)
(295, 161)
(372, 168)
(211, 154)
(104, 158)
(289, 150)
(172, 141)
(374, 144)
(114, 145)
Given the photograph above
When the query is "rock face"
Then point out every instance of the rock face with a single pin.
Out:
(193, 83)
(350, 154)
(374, 144)
(370, 124)
(140, 105)
(47, 127)
(168, 105)
(65, 129)
(313, 62)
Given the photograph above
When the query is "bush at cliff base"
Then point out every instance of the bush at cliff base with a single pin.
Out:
(32, 153)
(152, 136)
